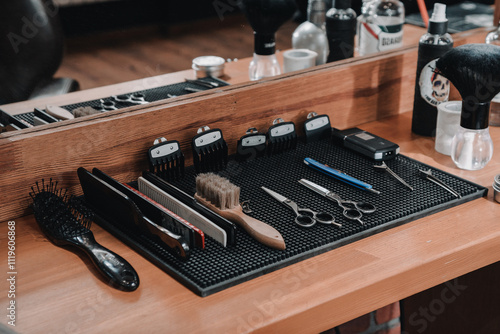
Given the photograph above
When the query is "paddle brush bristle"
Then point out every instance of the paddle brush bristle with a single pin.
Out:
(474, 69)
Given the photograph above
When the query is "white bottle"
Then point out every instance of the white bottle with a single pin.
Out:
(494, 38)
(381, 26)
(311, 34)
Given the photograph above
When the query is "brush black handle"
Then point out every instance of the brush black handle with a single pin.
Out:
(115, 268)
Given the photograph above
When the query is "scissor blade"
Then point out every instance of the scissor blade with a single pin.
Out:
(274, 194)
(314, 187)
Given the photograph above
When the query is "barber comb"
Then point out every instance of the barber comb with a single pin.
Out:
(252, 145)
(209, 150)
(166, 159)
(281, 137)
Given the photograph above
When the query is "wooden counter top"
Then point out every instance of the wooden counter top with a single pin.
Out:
(58, 291)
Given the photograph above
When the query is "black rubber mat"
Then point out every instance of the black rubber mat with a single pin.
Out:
(216, 268)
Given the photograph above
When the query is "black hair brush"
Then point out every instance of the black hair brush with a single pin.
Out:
(474, 70)
(55, 214)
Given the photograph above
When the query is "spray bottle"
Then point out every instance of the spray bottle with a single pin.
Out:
(430, 87)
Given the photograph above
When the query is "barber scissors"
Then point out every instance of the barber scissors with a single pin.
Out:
(352, 210)
(135, 98)
(304, 217)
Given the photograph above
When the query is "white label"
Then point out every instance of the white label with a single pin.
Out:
(375, 38)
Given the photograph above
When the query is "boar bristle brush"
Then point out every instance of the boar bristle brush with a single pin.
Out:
(66, 222)
(221, 196)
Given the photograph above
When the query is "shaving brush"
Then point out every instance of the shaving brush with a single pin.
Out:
(265, 18)
(474, 70)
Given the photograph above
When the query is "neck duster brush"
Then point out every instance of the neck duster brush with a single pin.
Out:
(474, 69)
(266, 17)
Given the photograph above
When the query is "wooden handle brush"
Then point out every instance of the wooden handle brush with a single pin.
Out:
(221, 196)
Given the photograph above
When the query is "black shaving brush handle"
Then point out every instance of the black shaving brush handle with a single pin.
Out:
(265, 17)
(115, 268)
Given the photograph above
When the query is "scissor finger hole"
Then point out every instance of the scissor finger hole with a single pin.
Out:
(366, 207)
(305, 221)
(352, 214)
(324, 218)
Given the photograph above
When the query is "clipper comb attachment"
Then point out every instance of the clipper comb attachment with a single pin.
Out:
(317, 127)
(55, 214)
(281, 137)
(166, 159)
(252, 145)
(209, 150)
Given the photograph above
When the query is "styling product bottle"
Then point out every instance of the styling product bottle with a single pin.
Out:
(494, 38)
(381, 26)
(430, 87)
(341, 30)
(311, 33)
(265, 17)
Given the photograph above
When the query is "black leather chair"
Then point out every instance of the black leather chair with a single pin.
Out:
(31, 51)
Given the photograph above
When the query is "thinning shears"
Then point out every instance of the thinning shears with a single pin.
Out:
(304, 217)
(352, 210)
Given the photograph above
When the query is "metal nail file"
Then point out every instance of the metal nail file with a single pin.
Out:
(339, 175)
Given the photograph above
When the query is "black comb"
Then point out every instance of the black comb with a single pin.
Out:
(252, 145)
(166, 159)
(53, 213)
(281, 137)
(209, 150)
(317, 127)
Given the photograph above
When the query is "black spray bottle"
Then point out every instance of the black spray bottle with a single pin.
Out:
(341, 30)
(430, 87)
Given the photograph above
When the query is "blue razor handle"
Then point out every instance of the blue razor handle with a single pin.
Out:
(339, 175)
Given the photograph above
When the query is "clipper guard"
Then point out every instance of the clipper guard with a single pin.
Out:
(252, 145)
(281, 137)
(209, 150)
(166, 159)
(317, 127)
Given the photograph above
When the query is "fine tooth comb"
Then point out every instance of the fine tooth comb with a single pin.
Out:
(184, 205)
(114, 206)
(209, 150)
(221, 196)
(281, 136)
(53, 213)
(252, 145)
(166, 159)
(317, 127)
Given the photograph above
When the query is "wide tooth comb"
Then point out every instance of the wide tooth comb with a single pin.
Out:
(209, 150)
(281, 137)
(166, 159)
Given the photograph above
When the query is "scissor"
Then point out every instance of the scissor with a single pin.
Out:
(352, 210)
(305, 217)
(136, 98)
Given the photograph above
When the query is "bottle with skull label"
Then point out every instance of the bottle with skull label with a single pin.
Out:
(430, 87)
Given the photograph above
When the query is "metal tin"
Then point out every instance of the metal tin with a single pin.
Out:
(496, 188)
(208, 66)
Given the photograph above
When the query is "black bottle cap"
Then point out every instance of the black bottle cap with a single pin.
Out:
(475, 115)
(342, 4)
(438, 28)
